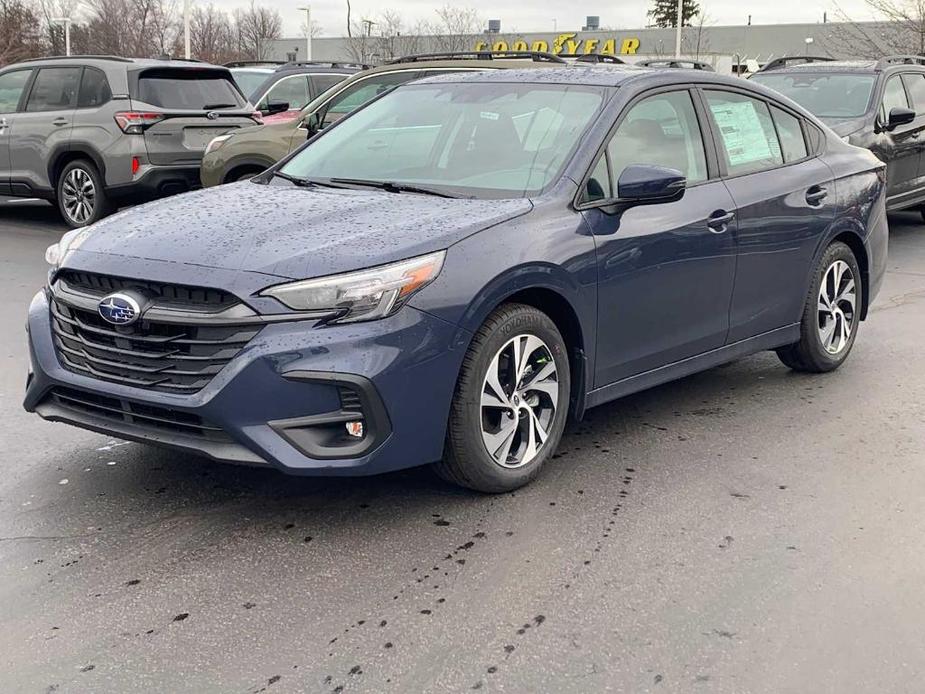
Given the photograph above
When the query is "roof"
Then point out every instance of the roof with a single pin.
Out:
(589, 75)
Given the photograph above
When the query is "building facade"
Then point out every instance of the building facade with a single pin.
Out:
(709, 43)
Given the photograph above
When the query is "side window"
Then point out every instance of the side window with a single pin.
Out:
(54, 89)
(598, 185)
(792, 144)
(12, 85)
(660, 130)
(94, 89)
(747, 136)
(323, 83)
(894, 96)
(362, 91)
(915, 85)
(292, 90)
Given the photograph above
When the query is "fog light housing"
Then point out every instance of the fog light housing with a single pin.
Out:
(355, 429)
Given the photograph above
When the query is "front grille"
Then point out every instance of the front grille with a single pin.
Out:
(167, 356)
(170, 294)
(148, 417)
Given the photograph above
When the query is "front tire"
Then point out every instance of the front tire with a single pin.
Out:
(81, 195)
(831, 315)
(511, 402)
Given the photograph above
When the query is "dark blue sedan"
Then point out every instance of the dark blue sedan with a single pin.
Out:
(450, 273)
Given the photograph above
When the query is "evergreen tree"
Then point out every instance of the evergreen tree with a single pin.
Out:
(664, 13)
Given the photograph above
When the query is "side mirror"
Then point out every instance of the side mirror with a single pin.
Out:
(312, 124)
(899, 116)
(274, 107)
(640, 184)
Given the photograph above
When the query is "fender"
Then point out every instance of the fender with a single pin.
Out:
(248, 159)
(848, 222)
(73, 148)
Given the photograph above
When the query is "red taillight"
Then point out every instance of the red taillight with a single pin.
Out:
(257, 117)
(135, 165)
(135, 122)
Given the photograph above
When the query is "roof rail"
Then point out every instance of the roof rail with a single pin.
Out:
(677, 63)
(786, 60)
(114, 58)
(599, 58)
(323, 63)
(253, 63)
(900, 60)
(535, 56)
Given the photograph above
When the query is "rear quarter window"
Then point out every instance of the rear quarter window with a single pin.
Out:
(196, 90)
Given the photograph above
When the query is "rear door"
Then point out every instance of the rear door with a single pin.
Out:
(12, 95)
(42, 127)
(195, 105)
(785, 199)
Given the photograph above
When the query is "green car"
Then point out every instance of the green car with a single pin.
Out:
(247, 152)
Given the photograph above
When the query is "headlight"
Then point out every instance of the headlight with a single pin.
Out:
(54, 254)
(215, 143)
(363, 295)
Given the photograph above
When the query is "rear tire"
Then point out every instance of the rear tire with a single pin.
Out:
(510, 404)
(81, 195)
(831, 315)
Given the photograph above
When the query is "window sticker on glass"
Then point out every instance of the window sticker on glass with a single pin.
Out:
(743, 135)
(488, 115)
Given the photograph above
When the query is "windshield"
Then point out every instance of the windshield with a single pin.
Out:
(482, 140)
(824, 94)
(249, 79)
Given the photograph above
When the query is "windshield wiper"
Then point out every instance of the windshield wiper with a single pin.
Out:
(209, 107)
(392, 187)
(308, 182)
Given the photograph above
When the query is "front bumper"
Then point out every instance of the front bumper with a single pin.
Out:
(282, 398)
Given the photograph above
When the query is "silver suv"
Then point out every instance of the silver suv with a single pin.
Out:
(95, 132)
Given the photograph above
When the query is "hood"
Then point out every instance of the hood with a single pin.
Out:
(293, 232)
(844, 126)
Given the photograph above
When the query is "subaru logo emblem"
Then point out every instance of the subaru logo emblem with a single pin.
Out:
(212, 115)
(119, 309)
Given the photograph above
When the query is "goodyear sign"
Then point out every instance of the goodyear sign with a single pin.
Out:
(566, 44)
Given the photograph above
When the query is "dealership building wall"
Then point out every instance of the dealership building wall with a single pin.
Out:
(755, 42)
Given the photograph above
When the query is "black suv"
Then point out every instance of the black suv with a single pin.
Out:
(89, 132)
(286, 88)
(876, 104)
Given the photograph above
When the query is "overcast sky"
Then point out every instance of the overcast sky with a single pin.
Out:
(538, 15)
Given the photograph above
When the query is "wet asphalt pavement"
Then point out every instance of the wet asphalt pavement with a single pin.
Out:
(743, 530)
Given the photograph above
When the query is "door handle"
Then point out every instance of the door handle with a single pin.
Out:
(3, 125)
(60, 121)
(718, 222)
(816, 194)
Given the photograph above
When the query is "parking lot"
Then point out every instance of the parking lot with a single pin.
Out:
(747, 529)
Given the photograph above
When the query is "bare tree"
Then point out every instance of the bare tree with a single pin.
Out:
(255, 27)
(212, 36)
(694, 39)
(456, 25)
(20, 35)
(902, 31)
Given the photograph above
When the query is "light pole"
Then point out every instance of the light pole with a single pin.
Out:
(809, 42)
(186, 21)
(66, 21)
(677, 34)
(308, 31)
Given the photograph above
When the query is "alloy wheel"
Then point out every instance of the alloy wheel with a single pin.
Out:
(79, 195)
(520, 395)
(837, 300)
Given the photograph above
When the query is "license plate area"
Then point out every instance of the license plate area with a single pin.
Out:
(197, 138)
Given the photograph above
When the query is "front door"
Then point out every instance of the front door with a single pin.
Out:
(665, 271)
(12, 87)
(900, 147)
